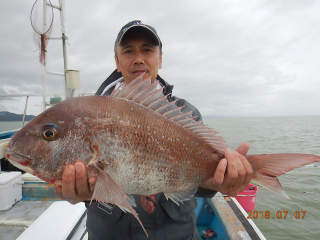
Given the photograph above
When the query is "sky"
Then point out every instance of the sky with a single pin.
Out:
(244, 58)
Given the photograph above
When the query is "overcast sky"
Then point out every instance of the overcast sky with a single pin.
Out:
(228, 58)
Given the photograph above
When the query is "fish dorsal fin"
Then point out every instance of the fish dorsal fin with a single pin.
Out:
(147, 94)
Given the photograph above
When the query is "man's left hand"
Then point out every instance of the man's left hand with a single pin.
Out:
(233, 173)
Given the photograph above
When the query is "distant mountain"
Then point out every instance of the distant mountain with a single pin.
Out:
(10, 117)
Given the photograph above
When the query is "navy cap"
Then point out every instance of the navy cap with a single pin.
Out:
(138, 25)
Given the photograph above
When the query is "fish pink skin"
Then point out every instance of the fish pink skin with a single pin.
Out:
(134, 142)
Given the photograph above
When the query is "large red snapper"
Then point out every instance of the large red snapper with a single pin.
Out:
(134, 142)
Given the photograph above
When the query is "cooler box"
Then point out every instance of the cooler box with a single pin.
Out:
(10, 189)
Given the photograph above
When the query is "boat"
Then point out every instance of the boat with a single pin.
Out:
(31, 210)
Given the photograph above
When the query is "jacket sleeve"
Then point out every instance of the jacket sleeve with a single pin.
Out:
(201, 192)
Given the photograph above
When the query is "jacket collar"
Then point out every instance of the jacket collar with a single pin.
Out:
(116, 75)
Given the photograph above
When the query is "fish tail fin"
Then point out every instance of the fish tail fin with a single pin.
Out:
(266, 168)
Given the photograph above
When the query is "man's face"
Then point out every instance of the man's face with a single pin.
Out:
(137, 54)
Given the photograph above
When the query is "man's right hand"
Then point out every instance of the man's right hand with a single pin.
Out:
(75, 185)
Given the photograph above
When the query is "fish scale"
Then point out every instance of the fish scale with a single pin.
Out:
(151, 150)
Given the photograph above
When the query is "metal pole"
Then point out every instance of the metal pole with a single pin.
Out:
(53, 6)
(65, 63)
(44, 92)
(25, 110)
(64, 45)
(55, 73)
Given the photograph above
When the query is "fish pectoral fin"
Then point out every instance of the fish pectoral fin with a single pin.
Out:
(108, 191)
(181, 196)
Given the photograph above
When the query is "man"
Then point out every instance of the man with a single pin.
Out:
(138, 50)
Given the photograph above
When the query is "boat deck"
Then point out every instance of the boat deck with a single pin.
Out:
(14, 221)
(42, 218)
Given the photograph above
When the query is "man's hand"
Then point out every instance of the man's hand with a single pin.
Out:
(233, 173)
(75, 185)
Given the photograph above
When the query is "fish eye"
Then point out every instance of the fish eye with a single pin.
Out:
(49, 133)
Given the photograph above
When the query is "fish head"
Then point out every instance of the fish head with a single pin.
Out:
(49, 142)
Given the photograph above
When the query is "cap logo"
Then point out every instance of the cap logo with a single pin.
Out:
(138, 23)
(135, 23)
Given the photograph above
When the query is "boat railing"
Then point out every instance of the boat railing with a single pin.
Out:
(8, 134)
(27, 95)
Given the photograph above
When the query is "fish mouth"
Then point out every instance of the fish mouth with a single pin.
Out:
(22, 162)
(19, 160)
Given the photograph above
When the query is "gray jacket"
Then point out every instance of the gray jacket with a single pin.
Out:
(168, 221)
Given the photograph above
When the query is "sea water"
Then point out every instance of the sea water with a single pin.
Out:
(7, 126)
(281, 135)
(275, 135)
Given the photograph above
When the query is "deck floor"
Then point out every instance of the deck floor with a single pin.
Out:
(15, 220)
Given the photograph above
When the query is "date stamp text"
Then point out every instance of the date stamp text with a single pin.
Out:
(277, 215)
